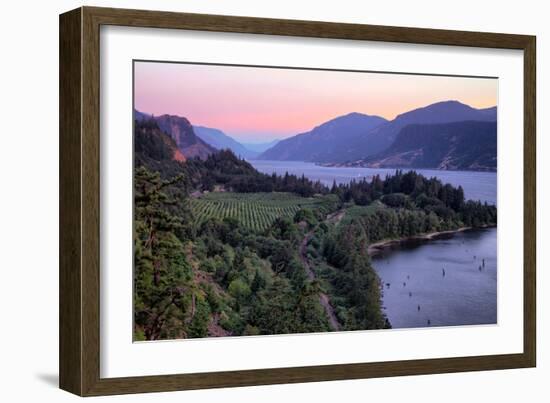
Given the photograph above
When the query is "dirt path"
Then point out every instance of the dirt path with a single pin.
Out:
(324, 299)
(335, 217)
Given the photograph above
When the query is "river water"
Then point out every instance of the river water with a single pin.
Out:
(477, 185)
(434, 283)
(444, 282)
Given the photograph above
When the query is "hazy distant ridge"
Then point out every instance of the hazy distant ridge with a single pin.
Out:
(260, 147)
(331, 141)
(220, 140)
(357, 139)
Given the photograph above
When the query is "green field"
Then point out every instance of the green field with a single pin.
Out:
(361, 211)
(256, 211)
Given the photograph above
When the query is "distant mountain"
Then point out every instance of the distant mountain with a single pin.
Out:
(260, 147)
(469, 145)
(441, 112)
(331, 141)
(491, 113)
(221, 141)
(140, 116)
(181, 131)
(351, 138)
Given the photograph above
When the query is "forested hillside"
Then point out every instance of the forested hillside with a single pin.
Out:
(181, 131)
(466, 145)
(223, 250)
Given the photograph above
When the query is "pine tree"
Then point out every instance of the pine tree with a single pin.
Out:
(162, 279)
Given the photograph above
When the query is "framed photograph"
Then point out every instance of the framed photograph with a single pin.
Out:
(249, 201)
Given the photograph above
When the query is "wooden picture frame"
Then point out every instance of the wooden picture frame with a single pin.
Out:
(79, 346)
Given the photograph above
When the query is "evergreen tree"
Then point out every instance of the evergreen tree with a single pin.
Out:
(162, 279)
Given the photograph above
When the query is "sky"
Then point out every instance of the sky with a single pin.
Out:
(256, 105)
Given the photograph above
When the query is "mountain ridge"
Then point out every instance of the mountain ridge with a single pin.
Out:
(181, 131)
(220, 140)
(353, 146)
(353, 139)
(467, 145)
(324, 142)
(260, 147)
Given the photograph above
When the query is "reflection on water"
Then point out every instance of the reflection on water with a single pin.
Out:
(442, 282)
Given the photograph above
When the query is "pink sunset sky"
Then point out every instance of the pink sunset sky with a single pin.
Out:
(261, 104)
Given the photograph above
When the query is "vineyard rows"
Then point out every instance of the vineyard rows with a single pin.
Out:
(256, 211)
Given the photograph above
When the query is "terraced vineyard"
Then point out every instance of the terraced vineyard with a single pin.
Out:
(256, 210)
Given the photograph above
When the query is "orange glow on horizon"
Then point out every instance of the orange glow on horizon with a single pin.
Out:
(261, 104)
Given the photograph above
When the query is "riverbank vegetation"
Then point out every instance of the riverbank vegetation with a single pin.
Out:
(221, 249)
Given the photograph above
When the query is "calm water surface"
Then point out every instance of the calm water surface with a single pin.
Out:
(433, 283)
(441, 281)
(477, 185)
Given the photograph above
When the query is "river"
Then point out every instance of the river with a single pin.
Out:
(477, 185)
(444, 282)
(428, 283)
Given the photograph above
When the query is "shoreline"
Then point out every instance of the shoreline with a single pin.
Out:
(377, 247)
(404, 168)
(345, 165)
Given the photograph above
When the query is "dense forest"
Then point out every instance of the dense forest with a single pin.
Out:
(223, 250)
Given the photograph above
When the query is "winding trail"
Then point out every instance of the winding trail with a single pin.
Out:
(324, 299)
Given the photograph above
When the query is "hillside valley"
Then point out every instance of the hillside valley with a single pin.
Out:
(354, 139)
